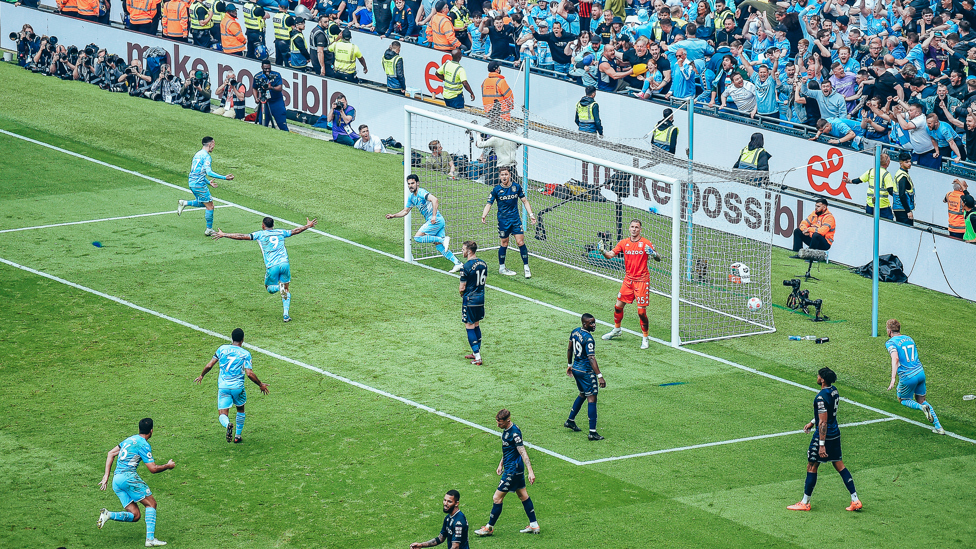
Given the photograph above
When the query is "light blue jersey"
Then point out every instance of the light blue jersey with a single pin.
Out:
(908, 363)
(426, 208)
(272, 242)
(233, 360)
(200, 169)
(131, 451)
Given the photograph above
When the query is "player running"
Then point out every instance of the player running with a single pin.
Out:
(474, 273)
(129, 486)
(199, 171)
(512, 469)
(455, 528)
(434, 229)
(906, 366)
(235, 363)
(825, 444)
(637, 252)
(272, 243)
(508, 195)
(582, 367)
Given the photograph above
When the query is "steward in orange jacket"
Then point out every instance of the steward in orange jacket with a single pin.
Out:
(817, 230)
(232, 38)
(440, 29)
(176, 20)
(495, 91)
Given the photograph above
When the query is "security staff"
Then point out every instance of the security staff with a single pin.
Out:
(282, 23)
(588, 113)
(70, 7)
(953, 200)
(665, 134)
(176, 20)
(903, 199)
(271, 99)
(88, 10)
(454, 78)
(817, 230)
(884, 193)
(299, 57)
(141, 15)
(346, 53)
(218, 16)
(254, 16)
(232, 39)
(754, 157)
(201, 22)
(318, 41)
(396, 80)
(461, 18)
(496, 96)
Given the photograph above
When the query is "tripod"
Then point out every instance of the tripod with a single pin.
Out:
(264, 112)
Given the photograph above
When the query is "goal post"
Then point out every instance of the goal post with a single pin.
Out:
(582, 191)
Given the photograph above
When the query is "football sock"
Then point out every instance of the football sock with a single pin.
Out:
(642, 315)
(473, 340)
(286, 303)
(524, 251)
(477, 335)
(935, 418)
(502, 250)
(150, 523)
(273, 288)
(808, 486)
(849, 482)
(529, 509)
(448, 254)
(194, 204)
(427, 239)
(618, 315)
(591, 413)
(496, 511)
(209, 216)
(577, 405)
(224, 420)
(122, 516)
(911, 403)
(239, 426)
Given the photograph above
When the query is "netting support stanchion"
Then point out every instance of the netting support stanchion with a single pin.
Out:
(407, 157)
(525, 150)
(676, 192)
(691, 182)
(878, 182)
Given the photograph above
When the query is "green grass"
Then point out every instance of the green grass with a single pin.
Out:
(328, 464)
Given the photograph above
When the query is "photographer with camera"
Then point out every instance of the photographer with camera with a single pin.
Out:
(83, 69)
(341, 116)
(196, 92)
(134, 79)
(267, 93)
(167, 87)
(28, 44)
(231, 95)
(60, 63)
(42, 59)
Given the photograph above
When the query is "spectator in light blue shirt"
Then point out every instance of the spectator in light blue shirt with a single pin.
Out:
(944, 135)
(767, 86)
(695, 47)
(832, 105)
(843, 130)
(915, 55)
(683, 85)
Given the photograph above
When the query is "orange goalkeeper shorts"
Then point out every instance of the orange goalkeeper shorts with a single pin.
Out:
(634, 291)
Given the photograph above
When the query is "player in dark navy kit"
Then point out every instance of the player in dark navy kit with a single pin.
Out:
(512, 468)
(582, 366)
(474, 274)
(825, 445)
(508, 195)
(455, 529)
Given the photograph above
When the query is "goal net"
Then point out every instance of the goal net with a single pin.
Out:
(714, 237)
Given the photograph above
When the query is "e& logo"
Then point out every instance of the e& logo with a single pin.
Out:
(834, 162)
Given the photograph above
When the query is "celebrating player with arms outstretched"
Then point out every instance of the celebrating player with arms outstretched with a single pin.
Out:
(512, 468)
(435, 228)
(637, 252)
(508, 195)
(199, 170)
(906, 365)
(825, 444)
(474, 274)
(272, 242)
(583, 368)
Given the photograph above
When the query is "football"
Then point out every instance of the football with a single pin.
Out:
(754, 304)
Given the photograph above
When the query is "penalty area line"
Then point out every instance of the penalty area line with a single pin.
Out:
(495, 288)
(275, 355)
(725, 442)
(85, 222)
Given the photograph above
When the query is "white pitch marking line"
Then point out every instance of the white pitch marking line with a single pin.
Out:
(277, 356)
(724, 442)
(98, 220)
(495, 288)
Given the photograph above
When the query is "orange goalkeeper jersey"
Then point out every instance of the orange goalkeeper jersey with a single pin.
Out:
(635, 255)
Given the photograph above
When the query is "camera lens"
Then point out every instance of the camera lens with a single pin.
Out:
(14, 36)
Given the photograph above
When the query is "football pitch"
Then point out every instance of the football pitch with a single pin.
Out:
(373, 414)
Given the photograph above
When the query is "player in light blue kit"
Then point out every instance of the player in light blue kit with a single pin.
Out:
(434, 230)
(235, 363)
(272, 242)
(910, 374)
(129, 486)
(199, 171)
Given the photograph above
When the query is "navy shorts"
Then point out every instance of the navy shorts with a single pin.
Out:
(586, 383)
(511, 482)
(832, 446)
(505, 229)
(471, 313)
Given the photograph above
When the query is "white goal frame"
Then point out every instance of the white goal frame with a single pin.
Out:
(676, 213)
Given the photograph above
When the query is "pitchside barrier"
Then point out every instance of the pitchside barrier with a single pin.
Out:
(801, 167)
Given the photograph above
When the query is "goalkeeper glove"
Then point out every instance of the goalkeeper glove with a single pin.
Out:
(599, 245)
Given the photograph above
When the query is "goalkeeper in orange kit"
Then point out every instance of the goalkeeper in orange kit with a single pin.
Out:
(637, 251)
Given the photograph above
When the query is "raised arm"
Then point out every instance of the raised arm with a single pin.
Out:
(233, 236)
(308, 225)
